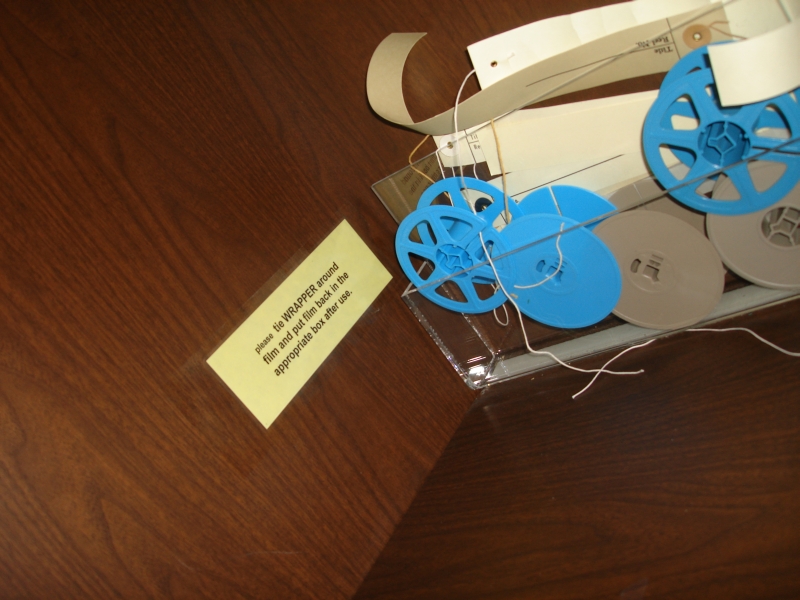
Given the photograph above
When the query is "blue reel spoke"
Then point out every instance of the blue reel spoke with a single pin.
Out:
(741, 178)
(484, 273)
(679, 138)
(705, 106)
(439, 275)
(748, 115)
(683, 109)
(788, 106)
(724, 137)
(696, 60)
(467, 288)
(423, 250)
(441, 232)
(789, 111)
(700, 168)
(453, 187)
(442, 186)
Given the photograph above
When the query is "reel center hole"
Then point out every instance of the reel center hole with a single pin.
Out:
(781, 227)
(650, 270)
(548, 270)
(482, 203)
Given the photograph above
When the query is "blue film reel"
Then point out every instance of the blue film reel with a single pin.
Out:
(450, 244)
(698, 60)
(722, 138)
(578, 290)
(453, 187)
(768, 119)
(570, 201)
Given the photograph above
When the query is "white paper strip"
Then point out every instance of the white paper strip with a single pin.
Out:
(497, 57)
(749, 18)
(759, 68)
(580, 132)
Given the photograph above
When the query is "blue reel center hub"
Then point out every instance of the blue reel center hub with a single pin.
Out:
(724, 143)
(453, 258)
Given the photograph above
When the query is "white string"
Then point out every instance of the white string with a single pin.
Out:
(699, 329)
(553, 196)
(502, 172)
(554, 273)
(505, 310)
(502, 287)
(463, 186)
(754, 334)
(602, 370)
(558, 247)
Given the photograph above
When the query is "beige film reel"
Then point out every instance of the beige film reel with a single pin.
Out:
(762, 247)
(672, 276)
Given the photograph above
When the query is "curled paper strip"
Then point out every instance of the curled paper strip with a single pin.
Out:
(757, 69)
(385, 77)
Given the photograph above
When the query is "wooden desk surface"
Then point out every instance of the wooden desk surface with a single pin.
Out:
(682, 482)
(160, 163)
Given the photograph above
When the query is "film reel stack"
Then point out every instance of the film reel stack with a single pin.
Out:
(568, 257)
(568, 278)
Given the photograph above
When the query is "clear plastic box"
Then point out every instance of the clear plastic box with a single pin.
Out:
(484, 352)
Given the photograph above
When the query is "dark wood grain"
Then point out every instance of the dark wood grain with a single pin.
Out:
(160, 163)
(682, 482)
(162, 166)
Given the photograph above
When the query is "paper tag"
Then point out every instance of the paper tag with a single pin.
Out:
(278, 348)
(503, 55)
(643, 49)
(471, 152)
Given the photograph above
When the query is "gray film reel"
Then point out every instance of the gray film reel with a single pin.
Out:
(762, 247)
(671, 274)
